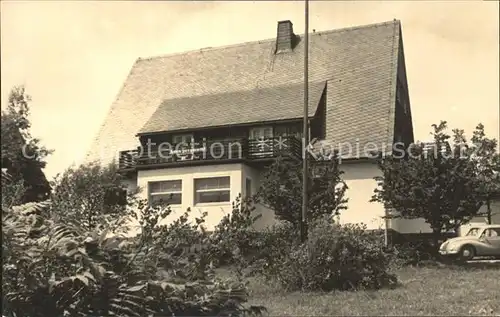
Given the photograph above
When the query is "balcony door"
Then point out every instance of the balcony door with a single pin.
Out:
(182, 146)
(261, 141)
(182, 138)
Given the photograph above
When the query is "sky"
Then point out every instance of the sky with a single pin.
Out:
(73, 56)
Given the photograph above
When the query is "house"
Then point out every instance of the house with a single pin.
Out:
(238, 103)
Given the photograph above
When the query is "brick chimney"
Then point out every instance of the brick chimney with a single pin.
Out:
(285, 39)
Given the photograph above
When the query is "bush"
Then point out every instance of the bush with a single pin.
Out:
(233, 240)
(414, 253)
(89, 195)
(333, 258)
(274, 245)
(52, 268)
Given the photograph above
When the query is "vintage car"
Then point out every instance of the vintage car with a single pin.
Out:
(482, 240)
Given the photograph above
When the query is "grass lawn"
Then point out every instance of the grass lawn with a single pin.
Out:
(424, 291)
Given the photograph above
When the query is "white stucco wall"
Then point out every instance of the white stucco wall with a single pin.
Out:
(359, 179)
(267, 215)
(411, 225)
(495, 217)
(358, 176)
(187, 174)
(420, 226)
(131, 184)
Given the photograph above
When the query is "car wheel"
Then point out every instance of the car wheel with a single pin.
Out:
(467, 253)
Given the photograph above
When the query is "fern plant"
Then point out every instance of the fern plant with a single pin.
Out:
(59, 269)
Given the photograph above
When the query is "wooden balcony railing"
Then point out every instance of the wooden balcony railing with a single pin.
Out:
(211, 150)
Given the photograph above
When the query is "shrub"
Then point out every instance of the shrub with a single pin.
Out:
(89, 194)
(52, 268)
(418, 252)
(274, 244)
(233, 240)
(333, 257)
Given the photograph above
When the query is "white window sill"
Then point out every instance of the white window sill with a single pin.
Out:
(172, 206)
(215, 204)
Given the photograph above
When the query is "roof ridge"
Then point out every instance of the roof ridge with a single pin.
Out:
(319, 33)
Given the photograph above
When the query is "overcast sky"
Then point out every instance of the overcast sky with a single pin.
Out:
(73, 57)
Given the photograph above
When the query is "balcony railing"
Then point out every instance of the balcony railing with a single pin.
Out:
(210, 150)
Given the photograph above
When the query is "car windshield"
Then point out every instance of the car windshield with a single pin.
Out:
(473, 232)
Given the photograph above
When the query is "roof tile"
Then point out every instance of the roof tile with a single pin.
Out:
(359, 65)
(240, 107)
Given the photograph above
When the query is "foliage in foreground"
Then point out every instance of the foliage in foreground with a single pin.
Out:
(55, 269)
(335, 257)
(62, 260)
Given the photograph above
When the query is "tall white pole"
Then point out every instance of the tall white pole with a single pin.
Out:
(303, 226)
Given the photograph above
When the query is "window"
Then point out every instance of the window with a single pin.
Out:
(261, 141)
(169, 192)
(491, 233)
(473, 232)
(248, 188)
(211, 190)
(182, 138)
(289, 130)
(260, 133)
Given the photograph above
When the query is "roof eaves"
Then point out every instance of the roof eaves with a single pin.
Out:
(253, 123)
(393, 85)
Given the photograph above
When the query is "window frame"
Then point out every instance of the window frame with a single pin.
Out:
(261, 129)
(196, 191)
(167, 192)
(264, 145)
(183, 137)
(248, 188)
(487, 233)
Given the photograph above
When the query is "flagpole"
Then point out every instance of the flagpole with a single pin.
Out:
(305, 131)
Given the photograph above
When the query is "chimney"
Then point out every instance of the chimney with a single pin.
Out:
(285, 39)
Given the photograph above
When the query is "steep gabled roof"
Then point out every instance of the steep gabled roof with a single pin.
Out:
(359, 65)
(231, 108)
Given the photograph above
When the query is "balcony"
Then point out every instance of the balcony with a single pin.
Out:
(209, 151)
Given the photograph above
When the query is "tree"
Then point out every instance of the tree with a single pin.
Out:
(483, 151)
(89, 193)
(281, 189)
(12, 192)
(22, 155)
(439, 187)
